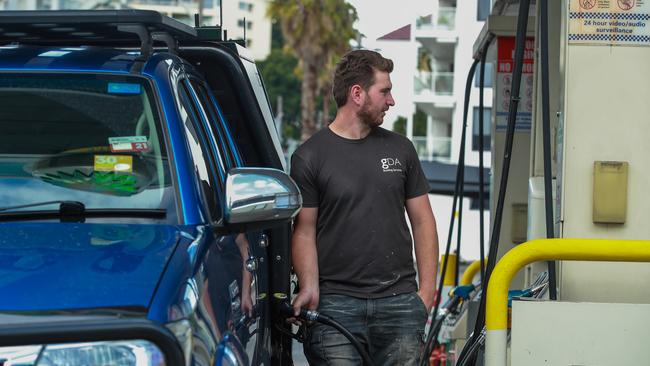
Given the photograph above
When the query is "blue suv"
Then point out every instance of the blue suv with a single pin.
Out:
(144, 208)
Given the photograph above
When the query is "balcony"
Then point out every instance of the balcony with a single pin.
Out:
(436, 148)
(437, 83)
(445, 20)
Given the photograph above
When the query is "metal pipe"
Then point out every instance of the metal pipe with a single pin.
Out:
(544, 250)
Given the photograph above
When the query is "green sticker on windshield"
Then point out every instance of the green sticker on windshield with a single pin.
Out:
(115, 182)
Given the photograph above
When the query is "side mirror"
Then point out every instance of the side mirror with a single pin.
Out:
(260, 196)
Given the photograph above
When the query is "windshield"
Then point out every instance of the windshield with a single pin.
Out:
(95, 139)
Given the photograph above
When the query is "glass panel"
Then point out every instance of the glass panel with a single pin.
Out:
(440, 83)
(446, 18)
(204, 166)
(96, 139)
(489, 67)
(482, 10)
(436, 148)
(487, 125)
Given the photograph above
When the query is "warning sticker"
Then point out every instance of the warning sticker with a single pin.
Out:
(505, 68)
(609, 22)
(128, 144)
(114, 163)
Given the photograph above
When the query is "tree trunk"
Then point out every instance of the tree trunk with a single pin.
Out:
(307, 101)
(326, 92)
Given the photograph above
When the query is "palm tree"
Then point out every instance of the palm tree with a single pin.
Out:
(316, 31)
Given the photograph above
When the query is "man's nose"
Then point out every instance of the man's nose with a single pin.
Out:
(390, 101)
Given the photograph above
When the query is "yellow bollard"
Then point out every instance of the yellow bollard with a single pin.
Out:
(450, 274)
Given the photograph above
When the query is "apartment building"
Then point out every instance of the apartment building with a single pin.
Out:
(432, 57)
(242, 19)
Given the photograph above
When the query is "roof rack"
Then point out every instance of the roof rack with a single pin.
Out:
(85, 26)
(125, 27)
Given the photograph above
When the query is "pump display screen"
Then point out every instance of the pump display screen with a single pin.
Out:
(96, 139)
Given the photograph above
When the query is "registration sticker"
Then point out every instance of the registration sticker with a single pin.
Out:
(114, 163)
(128, 144)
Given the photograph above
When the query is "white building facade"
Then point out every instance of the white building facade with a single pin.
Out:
(242, 19)
(432, 57)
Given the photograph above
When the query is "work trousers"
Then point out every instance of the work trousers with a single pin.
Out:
(391, 329)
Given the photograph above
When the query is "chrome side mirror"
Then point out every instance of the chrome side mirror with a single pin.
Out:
(260, 195)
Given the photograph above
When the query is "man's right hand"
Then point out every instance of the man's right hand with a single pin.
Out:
(307, 298)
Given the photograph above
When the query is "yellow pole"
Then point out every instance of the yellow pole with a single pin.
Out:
(450, 274)
(543, 250)
(470, 272)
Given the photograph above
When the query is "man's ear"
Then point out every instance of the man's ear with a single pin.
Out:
(357, 94)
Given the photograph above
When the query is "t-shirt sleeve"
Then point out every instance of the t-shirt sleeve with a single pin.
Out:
(304, 177)
(416, 181)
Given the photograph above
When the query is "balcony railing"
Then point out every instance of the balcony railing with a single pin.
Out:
(445, 20)
(439, 83)
(436, 148)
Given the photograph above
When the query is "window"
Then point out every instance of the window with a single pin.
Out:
(487, 123)
(243, 5)
(218, 125)
(96, 139)
(489, 67)
(203, 160)
(482, 10)
(241, 23)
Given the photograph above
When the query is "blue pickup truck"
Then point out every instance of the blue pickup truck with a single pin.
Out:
(144, 207)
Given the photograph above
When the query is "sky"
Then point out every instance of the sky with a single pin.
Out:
(378, 17)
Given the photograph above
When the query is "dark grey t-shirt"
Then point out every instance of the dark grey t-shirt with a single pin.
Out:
(360, 188)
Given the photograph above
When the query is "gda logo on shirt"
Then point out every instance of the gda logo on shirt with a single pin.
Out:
(391, 165)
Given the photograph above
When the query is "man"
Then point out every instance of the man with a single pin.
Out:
(351, 247)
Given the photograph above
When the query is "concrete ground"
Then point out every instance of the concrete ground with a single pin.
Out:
(298, 356)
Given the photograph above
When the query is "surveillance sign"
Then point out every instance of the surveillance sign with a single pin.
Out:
(609, 22)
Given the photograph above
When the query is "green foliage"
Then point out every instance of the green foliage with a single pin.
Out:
(399, 125)
(277, 41)
(317, 32)
(419, 123)
(279, 79)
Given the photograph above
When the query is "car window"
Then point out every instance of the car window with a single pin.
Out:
(218, 124)
(96, 139)
(210, 173)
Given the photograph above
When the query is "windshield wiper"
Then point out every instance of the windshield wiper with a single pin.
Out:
(75, 211)
(74, 206)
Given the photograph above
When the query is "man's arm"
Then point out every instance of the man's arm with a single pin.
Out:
(425, 236)
(305, 259)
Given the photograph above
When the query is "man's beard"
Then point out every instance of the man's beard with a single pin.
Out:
(367, 116)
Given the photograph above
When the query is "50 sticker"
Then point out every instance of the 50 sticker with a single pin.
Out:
(113, 163)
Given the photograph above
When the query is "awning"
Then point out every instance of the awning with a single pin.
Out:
(442, 179)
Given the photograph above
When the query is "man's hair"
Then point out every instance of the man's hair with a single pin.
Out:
(357, 67)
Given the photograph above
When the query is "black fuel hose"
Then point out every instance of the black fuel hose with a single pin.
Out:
(546, 136)
(481, 122)
(520, 39)
(315, 316)
(458, 195)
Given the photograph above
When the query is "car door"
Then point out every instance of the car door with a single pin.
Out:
(251, 291)
(222, 258)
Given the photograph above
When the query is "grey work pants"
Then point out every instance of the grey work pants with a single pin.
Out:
(390, 328)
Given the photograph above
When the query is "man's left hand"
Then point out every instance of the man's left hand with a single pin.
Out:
(427, 299)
